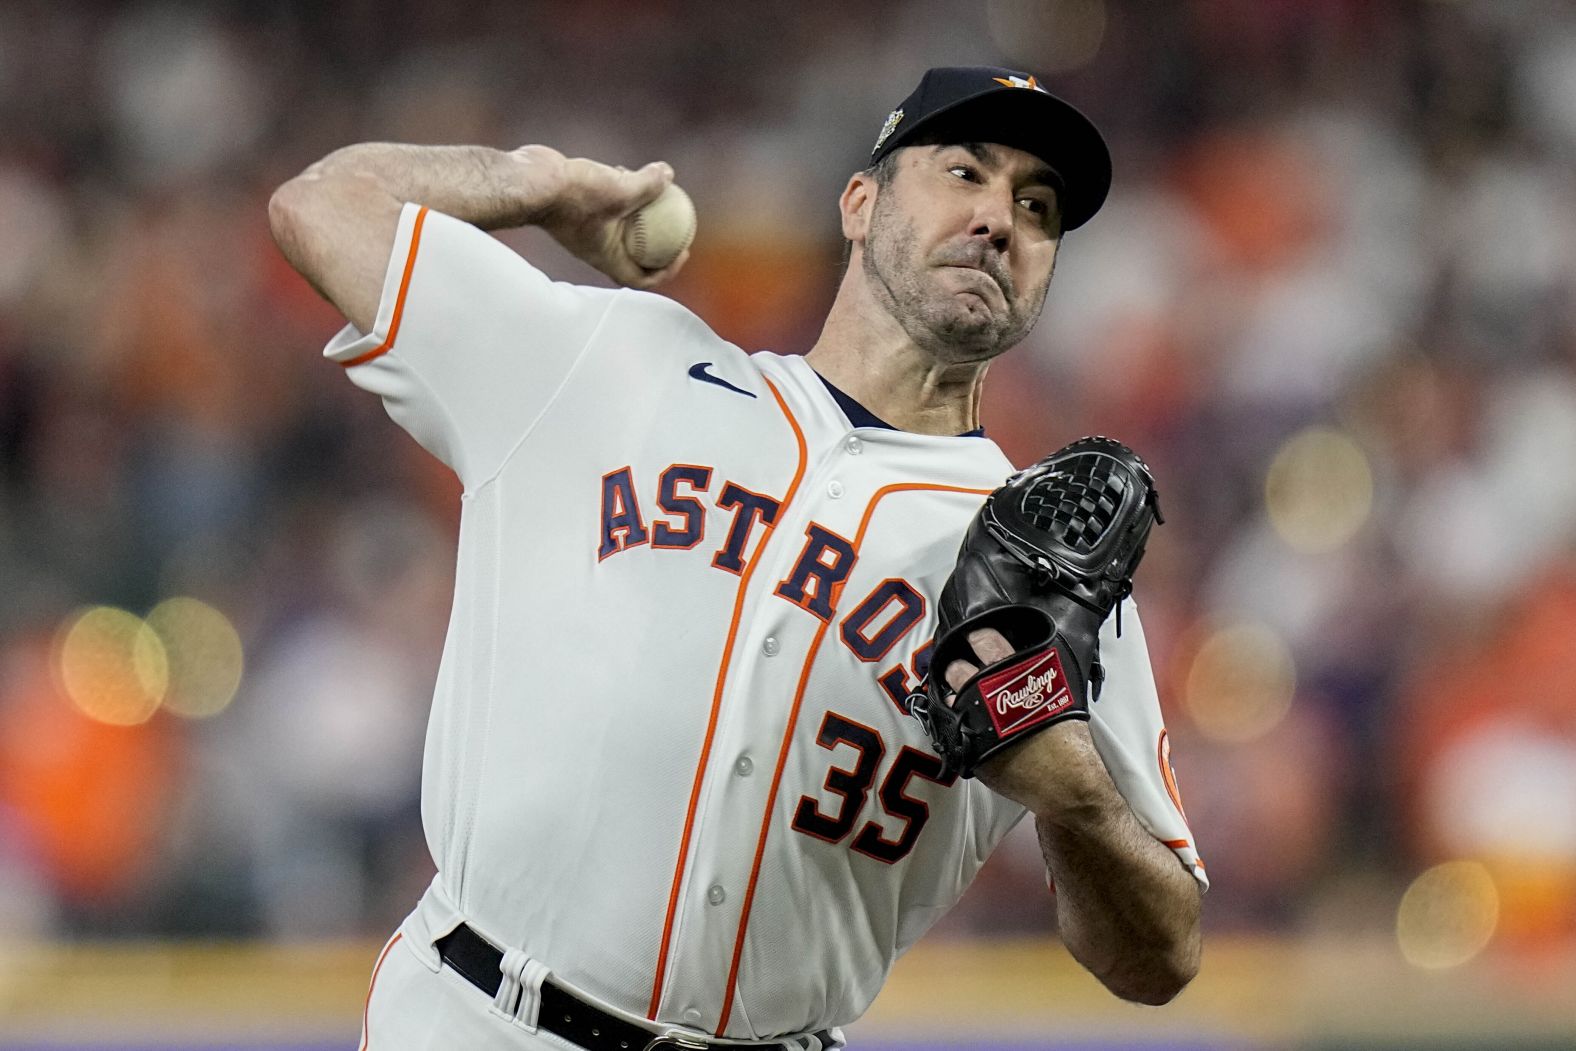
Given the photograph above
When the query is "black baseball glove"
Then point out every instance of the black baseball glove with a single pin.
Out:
(1044, 562)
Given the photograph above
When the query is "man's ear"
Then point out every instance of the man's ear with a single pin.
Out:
(856, 204)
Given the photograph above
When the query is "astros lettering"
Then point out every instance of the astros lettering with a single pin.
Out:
(872, 627)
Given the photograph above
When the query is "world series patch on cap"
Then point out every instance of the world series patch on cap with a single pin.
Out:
(990, 104)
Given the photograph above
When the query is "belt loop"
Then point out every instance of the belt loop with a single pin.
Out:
(519, 996)
(529, 1012)
(508, 994)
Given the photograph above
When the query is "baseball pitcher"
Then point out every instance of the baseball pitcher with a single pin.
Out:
(754, 658)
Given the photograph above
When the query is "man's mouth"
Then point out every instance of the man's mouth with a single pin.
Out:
(983, 273)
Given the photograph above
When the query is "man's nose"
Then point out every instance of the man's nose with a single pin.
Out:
(992, 219)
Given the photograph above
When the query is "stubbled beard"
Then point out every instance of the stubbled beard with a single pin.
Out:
(938, 320)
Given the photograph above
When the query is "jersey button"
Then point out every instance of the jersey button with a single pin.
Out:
(744, 767)
(834, 489)
(854, 445)
(716, 895)
(771, 647)
(692, 1016)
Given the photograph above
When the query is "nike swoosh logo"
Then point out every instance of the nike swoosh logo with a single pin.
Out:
(698, 372)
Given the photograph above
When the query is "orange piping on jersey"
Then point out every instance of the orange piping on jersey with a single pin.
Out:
(793, 719)
(716, 703)
(1168, 775)
(1163, 757)
(1182, 844)
(366, 1008)
(399, 300)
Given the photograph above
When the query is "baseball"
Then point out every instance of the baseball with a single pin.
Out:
(657, 233)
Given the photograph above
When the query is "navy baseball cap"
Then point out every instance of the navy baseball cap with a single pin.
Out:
(988, 104)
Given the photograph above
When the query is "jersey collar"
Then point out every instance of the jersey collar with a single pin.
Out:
(859, 416)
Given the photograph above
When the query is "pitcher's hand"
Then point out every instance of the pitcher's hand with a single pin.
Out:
(586, 206)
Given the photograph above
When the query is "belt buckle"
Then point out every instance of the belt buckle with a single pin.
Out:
(674, 1042)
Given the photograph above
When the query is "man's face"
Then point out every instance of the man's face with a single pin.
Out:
(960, 247)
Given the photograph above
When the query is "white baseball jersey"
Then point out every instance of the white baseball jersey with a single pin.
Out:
(667, 758)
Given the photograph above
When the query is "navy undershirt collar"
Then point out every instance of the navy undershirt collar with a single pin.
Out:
(860, 416)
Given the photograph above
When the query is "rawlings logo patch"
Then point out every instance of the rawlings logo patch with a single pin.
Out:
(1019, 697)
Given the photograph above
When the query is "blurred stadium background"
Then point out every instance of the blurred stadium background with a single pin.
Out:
(1333, 300)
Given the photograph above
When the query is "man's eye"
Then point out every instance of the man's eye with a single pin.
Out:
(963, 171)
(1035, 205)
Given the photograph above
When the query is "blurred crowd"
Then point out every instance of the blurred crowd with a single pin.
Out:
(1332, 299)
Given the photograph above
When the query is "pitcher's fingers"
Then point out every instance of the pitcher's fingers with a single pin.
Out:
(646, 184)
(653, 278)
(958, 673)
(990, 645)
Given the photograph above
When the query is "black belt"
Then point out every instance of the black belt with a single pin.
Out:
(563, 1014)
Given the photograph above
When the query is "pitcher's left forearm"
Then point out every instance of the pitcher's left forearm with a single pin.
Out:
(1128, 909)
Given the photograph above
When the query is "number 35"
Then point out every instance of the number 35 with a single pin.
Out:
(854, 788)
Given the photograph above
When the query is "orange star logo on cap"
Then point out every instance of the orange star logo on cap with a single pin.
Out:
(1018, 82)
